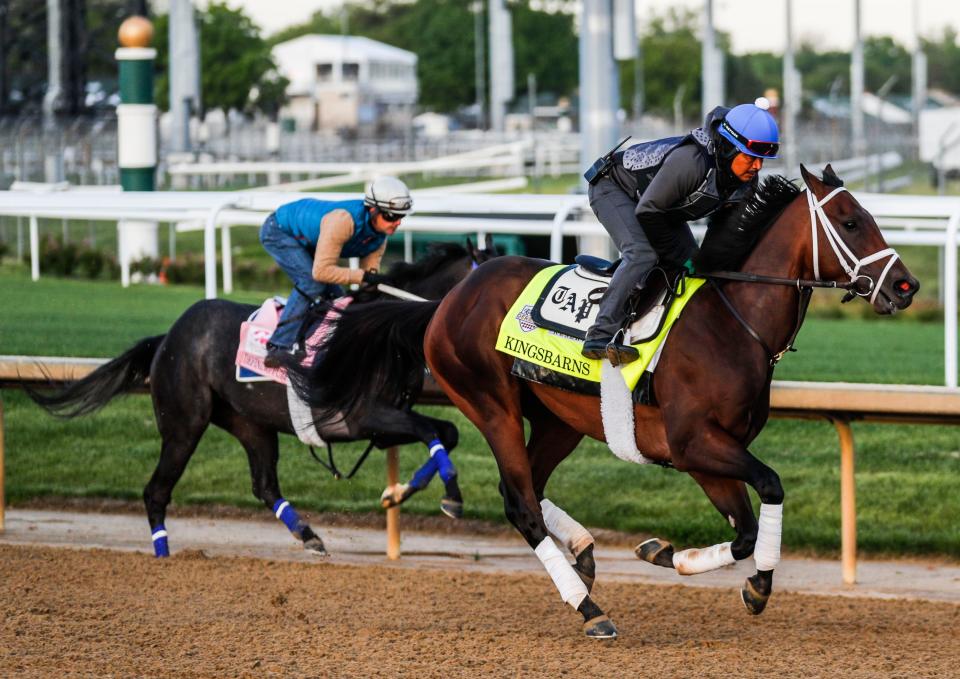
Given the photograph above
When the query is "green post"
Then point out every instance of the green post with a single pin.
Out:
(136, 137)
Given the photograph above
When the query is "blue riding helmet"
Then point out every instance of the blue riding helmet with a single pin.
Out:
(751, 130)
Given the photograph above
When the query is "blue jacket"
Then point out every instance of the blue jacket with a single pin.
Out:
(301, 219)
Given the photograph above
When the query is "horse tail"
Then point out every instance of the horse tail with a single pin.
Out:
(374, 352)
(126, 372)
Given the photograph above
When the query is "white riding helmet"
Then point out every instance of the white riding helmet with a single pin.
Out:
(388, 194)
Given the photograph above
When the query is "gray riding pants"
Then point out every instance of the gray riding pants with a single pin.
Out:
(615, 210)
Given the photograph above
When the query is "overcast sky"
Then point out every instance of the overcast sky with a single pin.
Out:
(754, 25)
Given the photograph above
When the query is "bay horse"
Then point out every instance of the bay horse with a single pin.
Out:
(192, 383)
(711, 385)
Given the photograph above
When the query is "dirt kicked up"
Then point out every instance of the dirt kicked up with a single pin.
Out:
(67, 612)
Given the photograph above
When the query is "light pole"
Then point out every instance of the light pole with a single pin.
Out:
(856, 86)
(791, 97)
(479, 61)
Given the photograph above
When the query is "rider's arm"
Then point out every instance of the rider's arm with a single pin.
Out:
(335, 230)
(372, 261)
(680, 175)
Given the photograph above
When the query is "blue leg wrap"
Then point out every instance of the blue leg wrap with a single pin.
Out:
(439, 453)
(423, 475)
(160, 547)
(284, 511)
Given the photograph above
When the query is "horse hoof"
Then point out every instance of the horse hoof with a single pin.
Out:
(600, 627)
(656, 551)
(315, 544)
(752, 598)
(452, 508)
(395, 495)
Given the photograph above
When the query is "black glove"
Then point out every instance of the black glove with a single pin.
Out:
(371, 279)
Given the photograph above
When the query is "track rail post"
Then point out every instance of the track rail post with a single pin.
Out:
(848, 503)
(2, 497)
(393, 514)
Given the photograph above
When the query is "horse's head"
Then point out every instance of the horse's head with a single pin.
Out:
(440, 269)
(847, 246)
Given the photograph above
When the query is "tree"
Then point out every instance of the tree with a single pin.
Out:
(236, 68)
(748, 76)
(545, 44)
(671, 60)
(943, 61)
(883, 57)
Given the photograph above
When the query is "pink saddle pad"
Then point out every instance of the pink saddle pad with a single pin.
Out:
(256, 331)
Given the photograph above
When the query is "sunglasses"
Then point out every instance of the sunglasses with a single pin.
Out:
(766, 149)
(391, 216)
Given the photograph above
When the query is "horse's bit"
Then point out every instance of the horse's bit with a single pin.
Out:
(844, 254)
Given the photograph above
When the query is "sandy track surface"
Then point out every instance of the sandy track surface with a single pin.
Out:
(104, 613)
(98, 612)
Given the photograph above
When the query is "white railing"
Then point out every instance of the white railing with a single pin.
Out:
(905, 220)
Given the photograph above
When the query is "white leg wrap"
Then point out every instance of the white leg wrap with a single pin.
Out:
(568, 583)
(767, 551)
(575, 537)
(693, 561)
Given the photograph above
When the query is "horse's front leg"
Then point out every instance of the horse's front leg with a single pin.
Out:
(263, 453)
(722, 465)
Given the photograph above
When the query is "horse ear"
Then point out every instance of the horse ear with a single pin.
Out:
(808, 178)
(830, 177)
(471, 249)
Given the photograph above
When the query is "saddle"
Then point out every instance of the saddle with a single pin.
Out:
(570, 302)
(256, 331)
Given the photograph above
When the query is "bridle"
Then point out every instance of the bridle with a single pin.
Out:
(850, 262)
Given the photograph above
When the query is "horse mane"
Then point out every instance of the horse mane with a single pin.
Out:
(348, 371)
(729, 240)
(438, 255)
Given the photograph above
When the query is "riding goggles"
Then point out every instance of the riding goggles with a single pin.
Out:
(391, 216)
(766, 149)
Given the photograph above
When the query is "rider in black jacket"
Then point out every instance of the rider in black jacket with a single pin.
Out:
(646, 195)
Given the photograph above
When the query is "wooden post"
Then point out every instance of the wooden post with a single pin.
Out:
(848, 504)
(393, 514)
(2, 498)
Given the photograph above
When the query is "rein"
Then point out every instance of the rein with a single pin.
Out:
(806, 292)
(798, 283)
(332, 466)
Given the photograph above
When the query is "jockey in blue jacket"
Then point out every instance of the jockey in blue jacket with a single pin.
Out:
(309, 236)
(645, 195)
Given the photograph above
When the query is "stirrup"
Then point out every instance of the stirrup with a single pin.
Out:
(618, 354)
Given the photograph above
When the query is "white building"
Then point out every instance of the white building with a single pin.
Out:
(342, 82)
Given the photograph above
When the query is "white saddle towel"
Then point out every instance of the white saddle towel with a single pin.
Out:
(616, 409)
(302, 419)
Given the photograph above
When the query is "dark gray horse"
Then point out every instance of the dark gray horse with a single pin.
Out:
(192, 382)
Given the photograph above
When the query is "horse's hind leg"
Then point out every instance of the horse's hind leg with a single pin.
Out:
(262, 453)
(180, 432)
(497, 415)
(551, 441)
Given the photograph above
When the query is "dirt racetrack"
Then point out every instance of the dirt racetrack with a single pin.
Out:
(68, 612)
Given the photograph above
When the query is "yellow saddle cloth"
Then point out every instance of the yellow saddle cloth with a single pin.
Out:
(521, 337)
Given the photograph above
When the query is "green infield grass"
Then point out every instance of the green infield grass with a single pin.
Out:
(907, 501)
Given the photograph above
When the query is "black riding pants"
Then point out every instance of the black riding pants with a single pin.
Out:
(615, 210)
